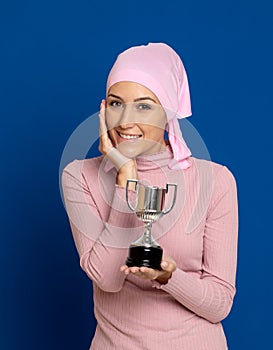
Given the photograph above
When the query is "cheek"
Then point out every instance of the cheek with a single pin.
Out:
(111, 120)
(153, 132)
(157, 118)
(154, 125)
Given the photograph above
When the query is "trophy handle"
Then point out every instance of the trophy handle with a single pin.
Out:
(127, 190)
(174, 197)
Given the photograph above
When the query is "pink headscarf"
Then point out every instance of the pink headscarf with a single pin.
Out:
(159, 68)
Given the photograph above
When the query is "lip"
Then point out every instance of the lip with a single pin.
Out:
(123, 136)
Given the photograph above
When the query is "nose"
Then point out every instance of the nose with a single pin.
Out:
(127, 117)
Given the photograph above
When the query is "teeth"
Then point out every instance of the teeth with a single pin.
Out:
(129, 136)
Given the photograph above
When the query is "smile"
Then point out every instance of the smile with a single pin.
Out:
(128, 137)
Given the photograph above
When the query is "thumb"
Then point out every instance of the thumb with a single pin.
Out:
(164, 264)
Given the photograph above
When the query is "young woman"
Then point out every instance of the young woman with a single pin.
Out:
(180, 306)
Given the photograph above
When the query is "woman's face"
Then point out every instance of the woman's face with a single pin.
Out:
(135, 119)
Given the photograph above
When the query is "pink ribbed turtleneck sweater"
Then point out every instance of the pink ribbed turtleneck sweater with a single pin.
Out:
(200, 234)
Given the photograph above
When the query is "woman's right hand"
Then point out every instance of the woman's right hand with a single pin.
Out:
(126, 168)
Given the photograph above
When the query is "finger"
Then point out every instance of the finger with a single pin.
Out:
(145, 269)
(127, 270)
(148, 272)
(134, 269)
(143, 275)
(105, 145)
(103, 127)
(164, 264)
(168, 266)
(137, 271)
(123, 268)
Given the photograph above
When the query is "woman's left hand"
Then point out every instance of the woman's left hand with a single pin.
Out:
(168, 266)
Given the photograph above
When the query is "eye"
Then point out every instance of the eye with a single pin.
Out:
(115, 103)
(143, 106)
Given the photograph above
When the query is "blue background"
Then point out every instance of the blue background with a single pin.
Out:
(55, 57)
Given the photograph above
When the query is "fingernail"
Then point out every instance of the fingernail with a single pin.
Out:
(164, 264)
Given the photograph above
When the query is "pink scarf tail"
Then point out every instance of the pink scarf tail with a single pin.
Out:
(180, 150)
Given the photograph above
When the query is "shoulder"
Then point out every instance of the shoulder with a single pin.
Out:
(217, 171)
(81, 166)
(213, 179)
(219, 182)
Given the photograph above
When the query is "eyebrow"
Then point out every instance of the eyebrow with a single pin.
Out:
(136, 100)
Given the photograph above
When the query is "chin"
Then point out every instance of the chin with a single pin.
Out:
(129, 151)
(134, 149)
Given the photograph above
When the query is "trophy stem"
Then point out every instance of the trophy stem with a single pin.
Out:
(147, 237)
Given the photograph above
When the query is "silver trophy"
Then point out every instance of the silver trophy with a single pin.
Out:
(150, 200)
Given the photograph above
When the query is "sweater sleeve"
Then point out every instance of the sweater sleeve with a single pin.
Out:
(100, 259)
(211, 295)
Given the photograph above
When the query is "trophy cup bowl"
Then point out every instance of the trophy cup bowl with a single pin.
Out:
(150, 201)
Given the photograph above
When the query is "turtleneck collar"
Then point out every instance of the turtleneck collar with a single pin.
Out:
(149, 162)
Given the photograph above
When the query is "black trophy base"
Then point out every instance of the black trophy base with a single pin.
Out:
(145, 256)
